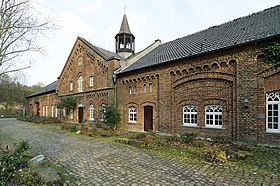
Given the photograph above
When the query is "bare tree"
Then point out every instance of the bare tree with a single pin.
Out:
(20, 26)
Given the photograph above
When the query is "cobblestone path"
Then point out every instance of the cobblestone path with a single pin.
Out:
(94, 162)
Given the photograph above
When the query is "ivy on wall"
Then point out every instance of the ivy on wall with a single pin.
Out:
(272, 52)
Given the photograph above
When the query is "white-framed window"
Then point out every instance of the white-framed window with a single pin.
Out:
(214, 116)
(151, 87)
(46, 110)
(43, 109)
(64, 112)
(71, 86)
(102, 111)
(91, 81)
(91, 112)
(134, 90)
(145, 88)
(273, 112)
(132, 115)
(80, 83)
(56, 111)
(52, 111)
(189, 115)
(71, 113)
(130, 90)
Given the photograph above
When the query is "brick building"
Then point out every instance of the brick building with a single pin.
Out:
(213, 82)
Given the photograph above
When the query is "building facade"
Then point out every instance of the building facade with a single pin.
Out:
(216, 82)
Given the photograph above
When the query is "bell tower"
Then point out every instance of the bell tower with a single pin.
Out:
(125, 40)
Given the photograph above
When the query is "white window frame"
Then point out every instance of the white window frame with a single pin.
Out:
(91, 81)
(46, 107)
(130, 90)
(71, 114)
(216, 112)
(56, 111)
(52, 110)
(80, 83)
(64, 112)
(189, 115)
(71, 86)
(145, 88)
(132, 115)
(102, 111)
(43, 109)
(91, 112)
(151, 87)
(273, 112)
(134, 90)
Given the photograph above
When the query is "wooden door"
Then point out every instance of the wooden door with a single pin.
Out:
(148, 118)
(80, 117)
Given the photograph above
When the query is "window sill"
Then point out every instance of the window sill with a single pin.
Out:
(190, 126)
(215, 128)
(272, 132)
(132, 122)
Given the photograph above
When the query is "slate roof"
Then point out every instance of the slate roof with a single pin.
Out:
(255, 27)
(47, 89)
(124, 26)
(107, 55)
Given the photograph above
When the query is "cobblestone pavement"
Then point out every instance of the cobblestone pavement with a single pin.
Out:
(94, 162)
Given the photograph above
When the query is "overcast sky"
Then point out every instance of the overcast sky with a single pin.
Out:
(99, 21)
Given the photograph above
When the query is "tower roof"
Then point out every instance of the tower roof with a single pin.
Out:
(124, 27)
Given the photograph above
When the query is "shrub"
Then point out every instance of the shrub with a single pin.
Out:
(112, 116)
(188, 137)
(221, 139)
(21, 147)
(272, 52)
(215, 154)
(74, 127)
(173, 140)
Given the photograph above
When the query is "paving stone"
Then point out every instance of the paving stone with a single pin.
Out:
(93, 162)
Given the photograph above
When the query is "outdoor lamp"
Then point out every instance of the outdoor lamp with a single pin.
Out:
(246, 102)
(114, 78)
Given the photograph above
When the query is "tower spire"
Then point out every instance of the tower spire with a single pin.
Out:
(125, 44)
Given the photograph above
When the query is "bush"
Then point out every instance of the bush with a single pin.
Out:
(221, 139)
(74, 127)
(112, 116)
(215, 154)
(21, 147)
(188, 137)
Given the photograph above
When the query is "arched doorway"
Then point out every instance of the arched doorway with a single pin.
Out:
(37, 108)
(148, 118)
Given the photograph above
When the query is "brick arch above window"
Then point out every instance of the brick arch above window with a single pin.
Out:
(208, 75)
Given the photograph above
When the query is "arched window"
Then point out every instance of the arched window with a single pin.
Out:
(91, 81)
(52, 111)
(273, 111)
(71, 113)
(46, 110)
(151, 87)
(145, 88)
(132, 115)
(102, 111)
(91, 112)
(213, 116)
(80, 83)
(43, 109)
(71, 86)
(190, 115)
(56, 111)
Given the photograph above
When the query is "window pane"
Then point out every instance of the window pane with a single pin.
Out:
(275, 107)
(275, 126)
(269, 107)
(270, 125)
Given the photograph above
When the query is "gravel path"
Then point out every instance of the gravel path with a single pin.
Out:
(94, 162)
